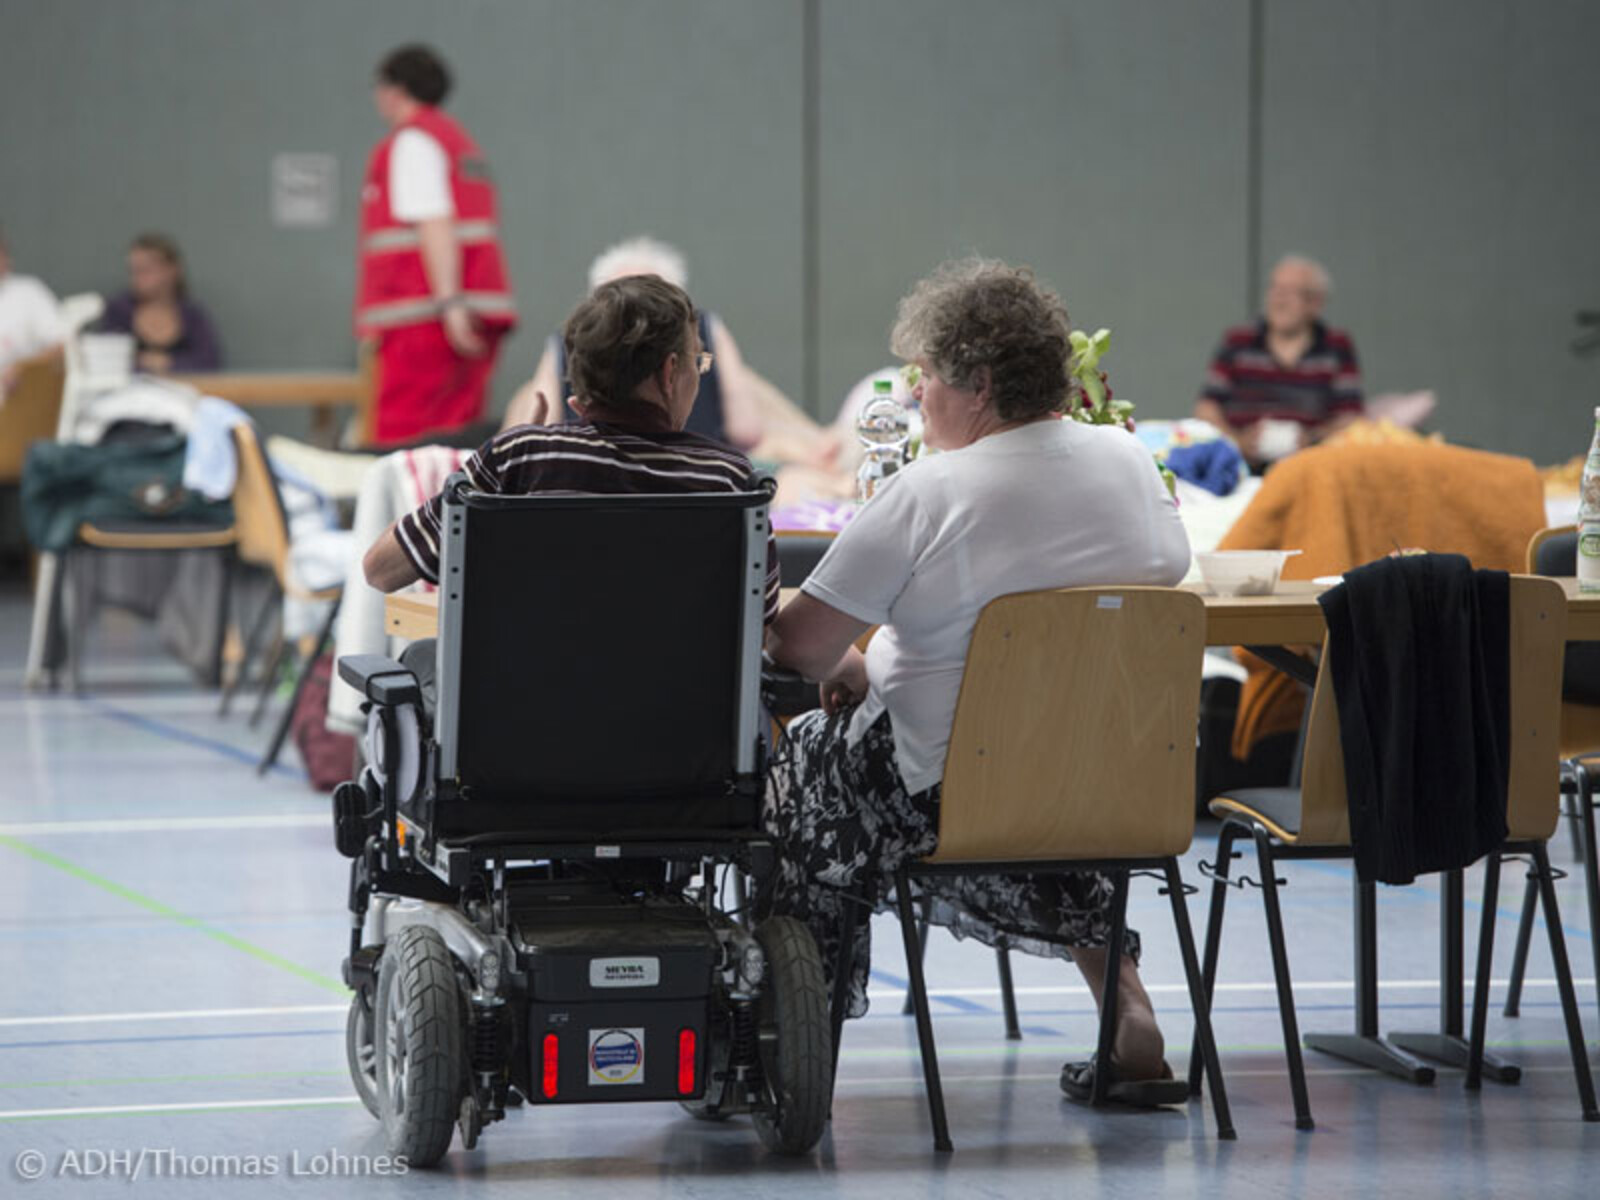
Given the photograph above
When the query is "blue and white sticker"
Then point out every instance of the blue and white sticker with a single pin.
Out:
(616, 1056)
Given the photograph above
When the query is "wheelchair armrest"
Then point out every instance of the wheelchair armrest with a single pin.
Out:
(380, 679)
(786, 693)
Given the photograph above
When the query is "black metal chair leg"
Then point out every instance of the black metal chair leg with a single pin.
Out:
(1569, 997)
(1208, 969)
(270, 673)
(324, 636)
(1480, 983)
(1008, 995)
(1109, 991)
(1199, 1000)
(924, 906)
(1591, 865)
(1519, 957)
(252, 637)
(919, 996)
(1280, 974)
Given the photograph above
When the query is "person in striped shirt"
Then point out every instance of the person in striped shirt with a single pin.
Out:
(1288, 380)
(635, 361)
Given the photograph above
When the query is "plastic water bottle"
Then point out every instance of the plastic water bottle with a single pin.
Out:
(883, 427)
(1589, 517)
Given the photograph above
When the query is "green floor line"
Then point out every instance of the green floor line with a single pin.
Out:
(149, 904)
(113, 1080)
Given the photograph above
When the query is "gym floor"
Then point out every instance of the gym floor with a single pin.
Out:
(171, 928)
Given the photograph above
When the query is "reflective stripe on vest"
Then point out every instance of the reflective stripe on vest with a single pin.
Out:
(409, 312)
(407, 237)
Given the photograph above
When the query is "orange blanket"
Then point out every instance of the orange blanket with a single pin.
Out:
(1346, 505)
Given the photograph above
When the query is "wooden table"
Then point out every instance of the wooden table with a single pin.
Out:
(320, 391)
(1288, 617)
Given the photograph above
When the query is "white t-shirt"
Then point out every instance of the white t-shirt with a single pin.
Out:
(1051, 504)
(419, 178)
(30, 319)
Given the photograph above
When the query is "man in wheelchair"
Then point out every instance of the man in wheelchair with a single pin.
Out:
(540, 854)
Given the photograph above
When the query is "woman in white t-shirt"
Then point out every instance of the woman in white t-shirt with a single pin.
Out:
(1020, 500)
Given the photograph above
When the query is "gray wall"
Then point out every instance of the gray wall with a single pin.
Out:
(813, 157)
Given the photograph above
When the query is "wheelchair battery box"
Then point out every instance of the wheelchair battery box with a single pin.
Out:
(618, 997)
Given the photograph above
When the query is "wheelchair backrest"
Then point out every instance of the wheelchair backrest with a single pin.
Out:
(600, 647)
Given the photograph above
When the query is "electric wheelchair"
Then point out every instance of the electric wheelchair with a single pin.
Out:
(537, 866)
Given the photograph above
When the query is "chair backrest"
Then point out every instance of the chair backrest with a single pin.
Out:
(799, 552)
(599, 659)
(258, 513)
(1074, 734)
(1538, 633)
(30, 412)
(1554, 551)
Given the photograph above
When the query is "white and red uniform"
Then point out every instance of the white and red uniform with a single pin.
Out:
(423, 385)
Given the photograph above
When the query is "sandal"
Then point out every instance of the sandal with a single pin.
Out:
(1077, 1081)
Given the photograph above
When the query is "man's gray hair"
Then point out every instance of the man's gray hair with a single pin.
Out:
(1320, 279)
(654, 257)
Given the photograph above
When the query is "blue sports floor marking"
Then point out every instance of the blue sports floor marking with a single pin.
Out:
(175, 733)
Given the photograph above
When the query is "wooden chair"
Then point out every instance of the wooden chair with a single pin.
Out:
(30, 412)
(1554, 551)
(1072, 750)
(1312, 822)
(263, 539)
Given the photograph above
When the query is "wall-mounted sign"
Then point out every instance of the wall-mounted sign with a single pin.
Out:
(305, 190)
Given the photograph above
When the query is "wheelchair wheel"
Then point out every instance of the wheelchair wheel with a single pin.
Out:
(794, 1038)
(361, 1049)
(420, 1066)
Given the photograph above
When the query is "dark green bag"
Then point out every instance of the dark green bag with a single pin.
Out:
(65, 485)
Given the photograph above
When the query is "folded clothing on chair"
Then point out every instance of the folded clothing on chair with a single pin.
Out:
(1419, 651)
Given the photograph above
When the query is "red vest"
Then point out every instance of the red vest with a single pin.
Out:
(394, 289)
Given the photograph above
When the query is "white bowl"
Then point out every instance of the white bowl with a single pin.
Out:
(1242, 572)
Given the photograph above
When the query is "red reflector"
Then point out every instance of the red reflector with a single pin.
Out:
(551, 1059)
(686, 1062)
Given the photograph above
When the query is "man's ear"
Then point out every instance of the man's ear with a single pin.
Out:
(581, 407)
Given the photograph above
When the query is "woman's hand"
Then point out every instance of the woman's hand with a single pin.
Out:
(847, 686)
(461, 331)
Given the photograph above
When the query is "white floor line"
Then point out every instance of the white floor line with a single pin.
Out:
(846, 1082)
(292, 1010)
(108, 1110)
(1325, 985)
(169, 824)
(192, 1014)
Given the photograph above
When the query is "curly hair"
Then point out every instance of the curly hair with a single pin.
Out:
(418, 71)
(621, 333)
(978, 312)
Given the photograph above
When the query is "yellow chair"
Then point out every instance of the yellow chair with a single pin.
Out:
(1554, 551)
(1312, 822)
(30, 412)
(263, 541)
(1073, 749)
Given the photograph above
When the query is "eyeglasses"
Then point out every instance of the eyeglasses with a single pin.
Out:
(703, 361)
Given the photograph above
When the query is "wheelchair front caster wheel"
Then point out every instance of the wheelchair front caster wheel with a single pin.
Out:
(361, 1049)
(420, 1038)
(795, 1041)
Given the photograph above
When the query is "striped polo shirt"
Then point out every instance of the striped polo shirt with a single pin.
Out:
(596, 458)
(1251, 385)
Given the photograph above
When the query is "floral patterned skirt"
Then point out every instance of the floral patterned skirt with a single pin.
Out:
(844, 823)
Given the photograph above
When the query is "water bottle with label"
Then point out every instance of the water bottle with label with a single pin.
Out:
(883, 427)
(1589, 517)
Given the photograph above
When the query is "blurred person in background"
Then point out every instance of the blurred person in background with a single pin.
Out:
(1287, 380)
(30, 320)
(736, 406)
(434, 292)
(171, 333)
